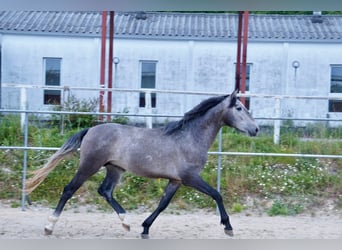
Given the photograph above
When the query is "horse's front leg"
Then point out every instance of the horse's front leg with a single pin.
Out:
(199, 184)
(169, 192)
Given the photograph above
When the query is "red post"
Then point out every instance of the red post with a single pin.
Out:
(244, 56)
(238, 54)
(103, 60)
(110, 64)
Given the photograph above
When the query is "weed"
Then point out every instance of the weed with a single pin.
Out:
(280, 208)
(10, 131)
(237, 207)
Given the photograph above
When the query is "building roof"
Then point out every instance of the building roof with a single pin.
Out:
(166, 25)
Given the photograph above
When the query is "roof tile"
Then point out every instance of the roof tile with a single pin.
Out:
(166, 25)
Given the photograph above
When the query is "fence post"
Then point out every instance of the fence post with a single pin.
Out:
(219, 161)
(23, 195)
(276, 130)
(148, 108)
(65, 91)
(23, 104)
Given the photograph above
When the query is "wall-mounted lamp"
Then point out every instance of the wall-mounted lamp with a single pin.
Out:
(295, 64)
(116, 60)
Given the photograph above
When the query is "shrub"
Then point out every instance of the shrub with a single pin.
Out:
(74, 104)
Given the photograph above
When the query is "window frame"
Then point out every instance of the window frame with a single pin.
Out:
(142, 101)
(334, 94)
(55, 94)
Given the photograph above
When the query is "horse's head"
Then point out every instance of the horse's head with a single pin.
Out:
(237, 116)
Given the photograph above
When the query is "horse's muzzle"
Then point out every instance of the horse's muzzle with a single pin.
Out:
(253, 132)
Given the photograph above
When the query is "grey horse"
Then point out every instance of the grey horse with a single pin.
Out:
(177, 152)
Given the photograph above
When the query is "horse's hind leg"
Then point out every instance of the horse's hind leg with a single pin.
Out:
(199, 184)
(83, 173)
(106, 190)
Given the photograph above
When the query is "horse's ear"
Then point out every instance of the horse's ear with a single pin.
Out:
(233, 98)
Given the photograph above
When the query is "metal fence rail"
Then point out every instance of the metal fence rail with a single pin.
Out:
(298, 155)
(275, 155)
(68, 88)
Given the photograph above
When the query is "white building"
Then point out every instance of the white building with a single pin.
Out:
(287, 55)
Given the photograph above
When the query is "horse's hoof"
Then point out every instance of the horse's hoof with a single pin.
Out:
(47, 231)
(125, 221)
(229, 232)
(145, 236)
(126, 227)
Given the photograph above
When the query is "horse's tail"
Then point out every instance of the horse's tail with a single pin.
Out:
(69, 147)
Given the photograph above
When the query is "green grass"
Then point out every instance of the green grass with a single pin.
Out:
(285, 181)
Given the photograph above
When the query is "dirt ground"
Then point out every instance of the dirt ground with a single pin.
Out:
(81, 223)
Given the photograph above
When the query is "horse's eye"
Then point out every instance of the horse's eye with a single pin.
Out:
(238, 108)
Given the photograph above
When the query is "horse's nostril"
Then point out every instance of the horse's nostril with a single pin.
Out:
(257, 130)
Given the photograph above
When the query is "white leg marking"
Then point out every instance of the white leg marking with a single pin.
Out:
(125, 221)
(51, 223)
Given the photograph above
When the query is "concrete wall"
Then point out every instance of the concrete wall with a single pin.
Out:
(181, 65)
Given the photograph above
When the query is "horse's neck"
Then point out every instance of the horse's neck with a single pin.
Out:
(207, 129)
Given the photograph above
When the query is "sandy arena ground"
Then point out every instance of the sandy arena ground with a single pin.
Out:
(198, 224)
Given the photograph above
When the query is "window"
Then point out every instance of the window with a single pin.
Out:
(52, 77)
(336, 87)
(148, 80)
(248, 73)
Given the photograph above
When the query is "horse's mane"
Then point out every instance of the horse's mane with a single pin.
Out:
(194, 113)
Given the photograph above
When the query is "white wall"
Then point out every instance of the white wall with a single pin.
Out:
(182, 65)
(273, 73)
(22, 58)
